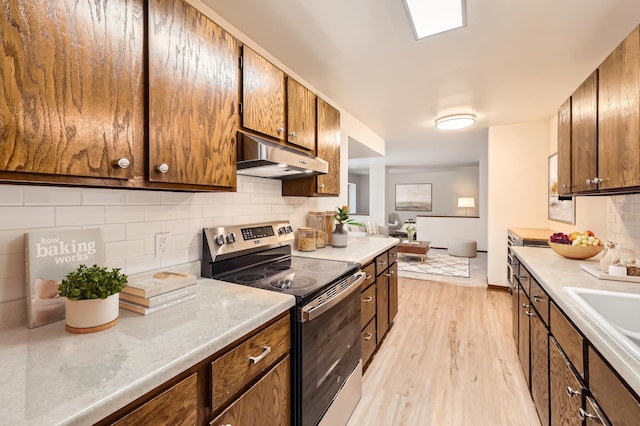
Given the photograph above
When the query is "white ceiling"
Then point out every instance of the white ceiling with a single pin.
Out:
(515, 61)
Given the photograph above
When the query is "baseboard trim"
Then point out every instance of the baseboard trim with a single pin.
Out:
(494, 287)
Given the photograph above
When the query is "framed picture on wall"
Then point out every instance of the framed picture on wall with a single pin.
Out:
(560, 208)
(413, 197)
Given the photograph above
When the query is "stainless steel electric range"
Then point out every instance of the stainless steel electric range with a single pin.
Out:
(326, 369)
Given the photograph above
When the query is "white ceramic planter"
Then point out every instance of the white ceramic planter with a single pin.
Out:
(92, 315)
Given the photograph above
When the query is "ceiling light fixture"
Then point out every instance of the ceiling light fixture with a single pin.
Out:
(435, 16)
(455, 121)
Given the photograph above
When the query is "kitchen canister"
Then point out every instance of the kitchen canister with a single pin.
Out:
(316, 220)
(307, 239)
(329, 222)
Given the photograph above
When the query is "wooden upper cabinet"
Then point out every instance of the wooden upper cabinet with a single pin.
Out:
(584, 135)
(564, 148)
(619, 115)
(71, 88)
(329, 147)
(301, 116)
(193, 97)
(263, 96)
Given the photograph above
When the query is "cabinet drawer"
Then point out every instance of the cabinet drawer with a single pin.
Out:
(176, 405)
(618, 403)
(370, 275)
(368, 341)
(393, 255)
(235, 369)
(568, 337)
(368, 305)
(524, 278)
(540, 299)
(266, 403)
(382, 263)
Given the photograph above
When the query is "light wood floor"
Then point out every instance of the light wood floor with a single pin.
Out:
(449, 359)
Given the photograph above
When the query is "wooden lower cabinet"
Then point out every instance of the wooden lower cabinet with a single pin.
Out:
(565, 388)
(393, 291)
(178, 405)
(540, 366)
(266, 403)
(382, 306)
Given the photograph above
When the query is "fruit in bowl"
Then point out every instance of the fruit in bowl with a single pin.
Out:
(576, 245)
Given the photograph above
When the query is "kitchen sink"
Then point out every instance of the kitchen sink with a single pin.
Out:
(618, 313)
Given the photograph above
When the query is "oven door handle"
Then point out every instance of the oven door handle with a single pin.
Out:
(309, 312)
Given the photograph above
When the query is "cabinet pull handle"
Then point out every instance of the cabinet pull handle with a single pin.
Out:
(123, 163)
(368, 276)
(524, 305)
(529, 314)
(523, 277)
(571, 391)
(280, 129)
(387, 275)
(322, 185)
(266, 350)
(538, 299)
(368, 336)
(382, 262)
(584, 415)
(565, 185)
(368, 299)
(163, 168)
(293, 134)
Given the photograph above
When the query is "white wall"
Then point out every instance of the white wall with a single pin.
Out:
(517, 187)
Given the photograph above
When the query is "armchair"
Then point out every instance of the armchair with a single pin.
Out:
(394, 224)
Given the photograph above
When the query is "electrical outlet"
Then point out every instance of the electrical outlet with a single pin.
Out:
(162, 244)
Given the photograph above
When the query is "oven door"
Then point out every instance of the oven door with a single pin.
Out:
(330, 349)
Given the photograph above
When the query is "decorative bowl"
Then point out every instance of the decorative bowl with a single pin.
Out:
(575, 252)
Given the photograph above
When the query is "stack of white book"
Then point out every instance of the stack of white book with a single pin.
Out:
(146, 294)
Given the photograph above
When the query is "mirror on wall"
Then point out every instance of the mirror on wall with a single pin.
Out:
(358, 186)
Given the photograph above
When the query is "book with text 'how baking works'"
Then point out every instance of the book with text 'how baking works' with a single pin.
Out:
(49, 256)
(151, 284)
(150, 302)
(146, 311)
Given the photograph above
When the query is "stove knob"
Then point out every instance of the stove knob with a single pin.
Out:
(231, 238)
(282, 230)
(289, 229)
(219, 240)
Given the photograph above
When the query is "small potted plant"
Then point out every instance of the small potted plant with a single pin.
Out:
(92, 294)
(339, 236)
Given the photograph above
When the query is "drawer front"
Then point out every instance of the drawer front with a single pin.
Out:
(393, 255)
(524, 278)
(540, 300)
(266, 403)
(368, 305)
(568, 337)
(368, 341)
(382, 263)
(370, 276)
(617, 402)
(176, 405)
(233, 370)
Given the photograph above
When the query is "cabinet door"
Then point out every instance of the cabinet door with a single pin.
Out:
(193, 97)
(619, 115)
(515, 311)
(565, 389)
(523, 334)
(71, 89)
(584, 135)
(393, 292)
(263, 95)
(382, 305)
(301, 116)
(267, 403)
(540, 367)
(329, 148)
(178, 405)
(564, 148)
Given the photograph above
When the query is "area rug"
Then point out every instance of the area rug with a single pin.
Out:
(435, 264)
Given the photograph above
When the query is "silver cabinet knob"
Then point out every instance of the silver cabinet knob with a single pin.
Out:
(322, 185)
(571, 391)
(163, 168)
(123, 163)
(280, 129)
(367, 299)
(584, 415)
(368, 336)
(293, 134)
(524, 305)
(565, 185)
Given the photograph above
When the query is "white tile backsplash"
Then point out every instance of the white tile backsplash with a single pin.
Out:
(129, 220)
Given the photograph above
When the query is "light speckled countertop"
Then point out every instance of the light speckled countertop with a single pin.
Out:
(554, 272)
(49, 376)
(359, 249)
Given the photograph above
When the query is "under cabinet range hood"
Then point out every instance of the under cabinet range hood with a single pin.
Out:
(263, 158)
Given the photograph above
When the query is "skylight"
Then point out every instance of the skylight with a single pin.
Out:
(429, 17)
